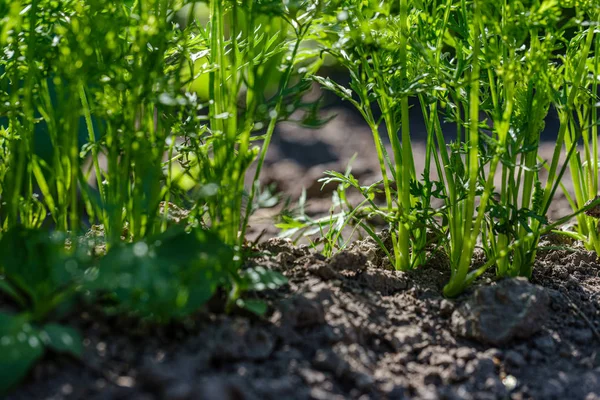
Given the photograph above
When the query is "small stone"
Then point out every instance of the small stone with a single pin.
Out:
(66, 389)
(125, 381)
(510, 382)
(425, 355)
(514, 308)
(589, 382)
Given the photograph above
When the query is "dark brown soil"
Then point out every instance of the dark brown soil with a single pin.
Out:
(343, 328)
(347, 328)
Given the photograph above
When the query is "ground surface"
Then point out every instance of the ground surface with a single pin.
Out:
(347, 327)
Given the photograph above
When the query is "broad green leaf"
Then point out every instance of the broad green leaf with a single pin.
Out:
(38, 265)
(170, 275)
(257, 307)
(7, 288)
(62, 339)
(20, 348)
(261, 278)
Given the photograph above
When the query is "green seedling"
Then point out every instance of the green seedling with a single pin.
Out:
(579, 120)
(163, 277)
(41, 277)
(371, 42)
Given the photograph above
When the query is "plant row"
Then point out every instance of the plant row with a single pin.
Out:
(128, 130)
(487, 73)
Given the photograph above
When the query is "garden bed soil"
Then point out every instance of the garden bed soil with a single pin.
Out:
(349, 328)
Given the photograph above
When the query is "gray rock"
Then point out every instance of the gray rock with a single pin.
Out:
(514, 308)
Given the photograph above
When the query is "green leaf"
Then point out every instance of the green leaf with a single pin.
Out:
(289, 223)
(343, 92)
(62, 339)
(20, 348)
(38, 268)
(261, 278)
(257, 307)
(170, 275)
(7, 288)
